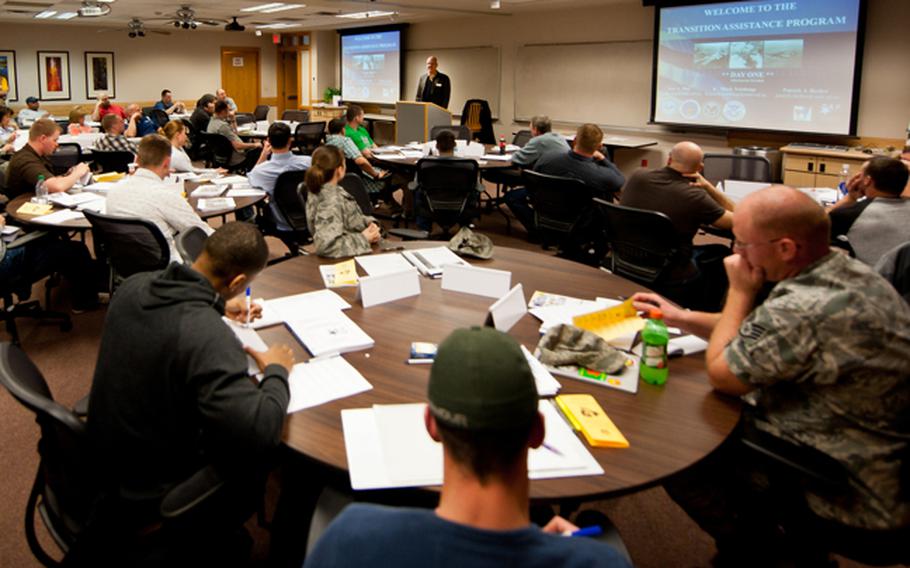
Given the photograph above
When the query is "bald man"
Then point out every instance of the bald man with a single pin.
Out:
(434, 87)
(825, 358)
(681, 193)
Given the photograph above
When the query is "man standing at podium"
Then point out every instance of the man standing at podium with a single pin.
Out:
(434, 87)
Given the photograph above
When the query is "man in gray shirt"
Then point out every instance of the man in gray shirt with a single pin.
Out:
(873, 217)
(243, 151)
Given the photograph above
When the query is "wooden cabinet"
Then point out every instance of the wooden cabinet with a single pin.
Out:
(326, 113)
(818, 167)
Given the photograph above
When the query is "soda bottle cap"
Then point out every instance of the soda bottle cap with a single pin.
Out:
(656, 314)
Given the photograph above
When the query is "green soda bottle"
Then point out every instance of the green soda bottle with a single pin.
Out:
(654, 337)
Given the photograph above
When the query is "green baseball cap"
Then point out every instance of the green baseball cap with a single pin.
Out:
(480, 380)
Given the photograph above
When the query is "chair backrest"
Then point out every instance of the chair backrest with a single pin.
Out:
(216, 150)
(67, 155)
(112, 160)
(448, 184)
(719, 167)
(132, 245)
(261, 112)
(159, 117)
(308, 136)
(643, 242)
(460, 132)
(147, 111)
(478, 117)
(521, 138)
(894, 266)
(64, 480)
(559, 202)
(296, 115)
(290, 196)
(190, 243)
(353, 184)
(244, 118)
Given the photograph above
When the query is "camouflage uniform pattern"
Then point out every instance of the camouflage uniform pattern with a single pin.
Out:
(830, 352)
(336, 222)
(569, 345)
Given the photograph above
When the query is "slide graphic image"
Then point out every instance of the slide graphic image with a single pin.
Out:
(711, 55)
(746, 55)
(784, 54)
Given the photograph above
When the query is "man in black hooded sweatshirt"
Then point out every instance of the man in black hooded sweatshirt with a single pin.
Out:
(171, 395)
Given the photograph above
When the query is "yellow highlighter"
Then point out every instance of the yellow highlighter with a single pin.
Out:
(583, 411)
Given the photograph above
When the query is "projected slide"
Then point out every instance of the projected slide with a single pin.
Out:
(371, 67)
(771, 65)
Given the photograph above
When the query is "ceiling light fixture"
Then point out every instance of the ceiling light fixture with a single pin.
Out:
(277, 26)
(45, 14)
(365, 15)
(94, 8)
(262, 7)
(495, 4)
(66, 16)
(282, 8)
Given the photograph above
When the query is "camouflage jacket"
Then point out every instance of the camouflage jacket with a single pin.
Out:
(830, 352)
(336, 222)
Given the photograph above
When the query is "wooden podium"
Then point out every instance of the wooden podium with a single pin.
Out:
(414, 121)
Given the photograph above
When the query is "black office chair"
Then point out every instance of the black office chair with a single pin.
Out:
(67, 155)
(296, 115)
(195, 148)
(290, 197)
(217, 151)
(719, 167)
(478, 117)
(521, 138)
(112, 161)
(353, 184)
(65, 492)
(159, 117)
(894, 266)
(562, 214)
(147, 111)
(190, 243)
(308, 136)
(25, 307)
(261, 112)
(450, 189)
(795, 468)
(244, 118)
(461, 132)
(643, 243)
(129, 244)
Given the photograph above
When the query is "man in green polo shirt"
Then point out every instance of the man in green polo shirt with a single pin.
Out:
(356, 131)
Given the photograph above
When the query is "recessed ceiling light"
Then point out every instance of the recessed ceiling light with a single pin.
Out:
(495, 4)
(45, 14)
(262, 7)
(365, 15)
(282, 8)
(66, 16)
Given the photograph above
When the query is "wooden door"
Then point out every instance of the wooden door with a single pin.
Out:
(288, 98)
(240, 76)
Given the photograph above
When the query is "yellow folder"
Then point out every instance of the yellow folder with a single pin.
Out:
(586, 415)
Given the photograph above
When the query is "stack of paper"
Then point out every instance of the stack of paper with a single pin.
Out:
(298, 306)
(430, 261)
(322, 380)
(209, 190)
(216, 203)
(66, 200)
(379, 264)
(329, 332)
(388, 446)
(546, 384)
(230, 180)
(59, 217)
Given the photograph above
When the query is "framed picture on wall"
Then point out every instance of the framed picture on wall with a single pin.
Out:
(99, 74)
(8, 82)
(54, 75)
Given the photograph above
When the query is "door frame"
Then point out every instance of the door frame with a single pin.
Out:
(298, 49)
(245, 48)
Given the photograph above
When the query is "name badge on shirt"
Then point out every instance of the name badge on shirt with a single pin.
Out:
(439, 84)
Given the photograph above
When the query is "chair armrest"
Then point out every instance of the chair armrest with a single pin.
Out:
(410, 234)
(191, 493)
(813, 465)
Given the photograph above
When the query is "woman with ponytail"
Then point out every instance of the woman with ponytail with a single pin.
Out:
(175, 132)
(338, 226)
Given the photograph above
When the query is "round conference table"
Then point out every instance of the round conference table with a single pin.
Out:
(82, 224)
(669, 428)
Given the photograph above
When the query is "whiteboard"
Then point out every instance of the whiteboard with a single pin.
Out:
(608, 83)
(474, 72)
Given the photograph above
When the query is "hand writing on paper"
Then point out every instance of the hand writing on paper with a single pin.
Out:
(235, 310)
(559, 525)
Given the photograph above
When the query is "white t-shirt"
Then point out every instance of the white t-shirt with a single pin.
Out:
(180, 162)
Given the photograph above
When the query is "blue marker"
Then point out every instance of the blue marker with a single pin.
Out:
(249, 305)
(593, 530)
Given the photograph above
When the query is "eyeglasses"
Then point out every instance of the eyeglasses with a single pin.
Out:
(743, 246)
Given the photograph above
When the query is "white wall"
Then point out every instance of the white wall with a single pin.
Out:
(187, 62)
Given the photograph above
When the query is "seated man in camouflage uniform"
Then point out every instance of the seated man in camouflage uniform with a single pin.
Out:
(823, 358)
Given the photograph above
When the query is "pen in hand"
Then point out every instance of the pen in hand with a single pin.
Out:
(249, 306)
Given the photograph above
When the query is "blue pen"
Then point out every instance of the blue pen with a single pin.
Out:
(593, 530)
(249, 305)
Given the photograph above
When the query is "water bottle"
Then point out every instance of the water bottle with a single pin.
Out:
(842, 179)
(502, 145)
(654, 368)
(41, 191)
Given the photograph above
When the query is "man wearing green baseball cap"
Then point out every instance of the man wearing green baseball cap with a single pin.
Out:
(483, 409)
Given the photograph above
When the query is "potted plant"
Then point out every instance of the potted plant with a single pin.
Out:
(329, 93)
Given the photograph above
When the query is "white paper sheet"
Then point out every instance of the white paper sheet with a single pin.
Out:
(216, 203)
(248, 338)
(244, 193)
(282, 309)
(329, 332)
(66, 200)
(322, 380)
(59, 217)
(229, 179)
(208, 190)
(379, 264)
(546, 383)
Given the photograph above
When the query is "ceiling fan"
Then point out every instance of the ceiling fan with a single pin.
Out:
(134, 28)
(186, 18)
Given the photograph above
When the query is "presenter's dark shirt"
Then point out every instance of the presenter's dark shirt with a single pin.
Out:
(669, 192)
(436, 91)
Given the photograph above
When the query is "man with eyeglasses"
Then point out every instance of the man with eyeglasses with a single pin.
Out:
(824, 361)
